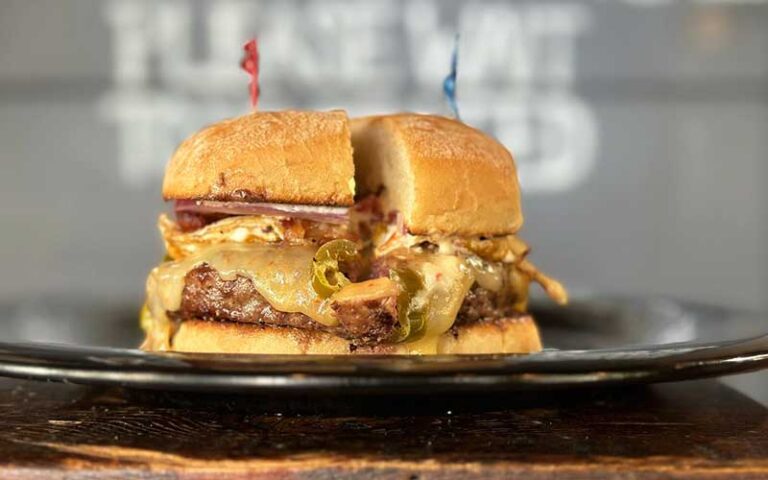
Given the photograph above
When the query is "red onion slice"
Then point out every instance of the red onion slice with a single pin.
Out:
(316, 213)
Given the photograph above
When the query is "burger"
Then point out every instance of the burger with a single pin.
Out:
(309, 233)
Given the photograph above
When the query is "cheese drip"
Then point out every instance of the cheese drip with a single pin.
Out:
(282, 274)
(447, 279)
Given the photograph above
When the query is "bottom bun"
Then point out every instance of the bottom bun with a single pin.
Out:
(509, 335)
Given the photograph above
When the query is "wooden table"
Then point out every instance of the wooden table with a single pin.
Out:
(685, 430)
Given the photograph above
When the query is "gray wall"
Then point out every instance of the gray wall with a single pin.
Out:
(641, 131)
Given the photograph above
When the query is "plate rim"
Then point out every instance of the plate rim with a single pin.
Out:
(176, 371)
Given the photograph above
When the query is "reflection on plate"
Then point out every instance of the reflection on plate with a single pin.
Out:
(595, 341)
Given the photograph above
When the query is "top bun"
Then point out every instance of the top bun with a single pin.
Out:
(442, 175)
(283, 157)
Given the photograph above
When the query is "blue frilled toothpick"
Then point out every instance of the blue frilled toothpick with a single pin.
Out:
(449, 84)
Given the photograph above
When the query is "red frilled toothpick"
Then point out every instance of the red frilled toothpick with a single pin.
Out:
(250, 64)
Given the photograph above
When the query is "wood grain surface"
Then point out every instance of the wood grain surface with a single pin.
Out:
(685, 430)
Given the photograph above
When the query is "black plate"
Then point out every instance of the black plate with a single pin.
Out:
(595, 341)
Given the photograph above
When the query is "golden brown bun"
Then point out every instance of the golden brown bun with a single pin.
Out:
(514, 335)
(444, 176)
(282, 157)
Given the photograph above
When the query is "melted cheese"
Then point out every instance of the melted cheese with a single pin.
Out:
(489, 275)
(282, 274)
(447, 279)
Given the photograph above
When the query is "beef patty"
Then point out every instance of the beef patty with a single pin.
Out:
(207, 296)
